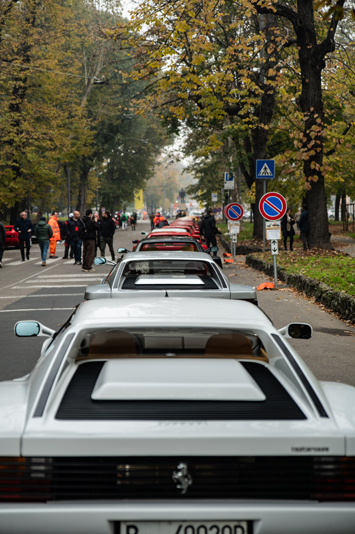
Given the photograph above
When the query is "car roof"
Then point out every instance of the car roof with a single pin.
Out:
(169, 239)
(161, 311)
(167, 229)
(167, 255)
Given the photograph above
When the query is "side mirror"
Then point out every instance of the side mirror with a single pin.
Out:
(214, 249)
(122, 250)
(297, 331)
(32, 329)
(99, 260)
(144, 233)
(135, 241)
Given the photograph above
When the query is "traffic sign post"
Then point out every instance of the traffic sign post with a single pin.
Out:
(228, 180)
(233, 211)
(272, 207)
(265, 170)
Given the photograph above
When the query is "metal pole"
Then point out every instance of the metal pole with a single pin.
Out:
(239, 185)
(264, 231)
(275, 270)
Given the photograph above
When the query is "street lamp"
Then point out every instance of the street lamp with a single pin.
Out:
(182, 194)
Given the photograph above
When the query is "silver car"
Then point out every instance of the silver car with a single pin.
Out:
(170, 274)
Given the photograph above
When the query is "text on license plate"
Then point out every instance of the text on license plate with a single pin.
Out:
(183, 527)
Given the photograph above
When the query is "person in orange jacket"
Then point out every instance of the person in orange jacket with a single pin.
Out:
(53, 223)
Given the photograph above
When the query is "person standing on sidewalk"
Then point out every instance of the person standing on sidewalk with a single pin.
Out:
(24, 228)
(43, 232)
(53, 223)
(107, 230)
(303, 225)
(89, 230)
(2, 241)
(208, 227)
(287, 223)
(75, 228)
(67, 242)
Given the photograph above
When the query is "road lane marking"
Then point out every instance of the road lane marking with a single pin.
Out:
(41, 287)
(84, 279)
(47, 295)
(24, 279)
(20, 262)
(36, 309)
(86, 275)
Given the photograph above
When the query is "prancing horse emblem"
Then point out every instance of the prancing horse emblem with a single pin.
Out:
(182, 478)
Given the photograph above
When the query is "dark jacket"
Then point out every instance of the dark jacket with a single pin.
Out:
(284, 225)
(75, 229)
(107, 227)
(208, 225)
(2, 234)
(303, 223)
(89, 229)
(43, 231)
(22, 226)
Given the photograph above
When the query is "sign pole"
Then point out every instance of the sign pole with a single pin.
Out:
(264, 192)
(275, 270)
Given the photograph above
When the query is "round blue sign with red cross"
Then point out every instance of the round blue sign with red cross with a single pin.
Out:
(272, 206)
(233, 211)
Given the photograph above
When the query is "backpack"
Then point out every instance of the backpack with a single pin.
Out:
(123, 217)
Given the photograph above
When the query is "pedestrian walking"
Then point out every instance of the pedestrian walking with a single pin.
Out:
(53, 223)
(107, 230)
(124, 220)
(208, 227)
(133, 220)
(2, 242)
(88, 234)
(24, 227)
(44, 233)
(75, 228)
(67, 240)
(287, 228)
(303, 225)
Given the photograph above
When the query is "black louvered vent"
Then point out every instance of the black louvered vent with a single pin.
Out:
(78, 405)
(281, 478)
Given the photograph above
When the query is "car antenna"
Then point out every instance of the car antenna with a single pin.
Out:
(166, 293)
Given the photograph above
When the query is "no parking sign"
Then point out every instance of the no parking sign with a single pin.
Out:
(272, 206)
(233, 211)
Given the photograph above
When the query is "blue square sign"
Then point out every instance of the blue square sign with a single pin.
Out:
(265, 169)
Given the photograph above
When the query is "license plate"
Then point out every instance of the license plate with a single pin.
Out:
(183, 527)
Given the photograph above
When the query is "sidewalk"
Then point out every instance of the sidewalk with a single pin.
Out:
(330, 353)
(344, 243)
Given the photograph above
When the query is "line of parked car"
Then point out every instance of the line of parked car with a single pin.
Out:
(156, 410)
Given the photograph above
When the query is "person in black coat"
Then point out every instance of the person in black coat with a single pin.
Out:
(107, 230)
(303, 225)
(24, 227)
(208, 227)
(287, 223)
(89, 231)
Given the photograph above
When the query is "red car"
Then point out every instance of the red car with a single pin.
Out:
(11, 237)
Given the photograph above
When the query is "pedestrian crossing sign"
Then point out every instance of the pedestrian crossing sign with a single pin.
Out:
(265, 169)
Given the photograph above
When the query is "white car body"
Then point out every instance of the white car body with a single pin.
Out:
(114, 285)
(53, 437)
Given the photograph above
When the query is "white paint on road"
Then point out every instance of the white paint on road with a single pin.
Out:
(35, 310)
(41, 287)
(20, 262)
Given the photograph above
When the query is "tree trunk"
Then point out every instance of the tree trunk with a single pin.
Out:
(336, 207)
(83, 189)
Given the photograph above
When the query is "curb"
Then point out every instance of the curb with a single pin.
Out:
(241, 250)
(341, 303)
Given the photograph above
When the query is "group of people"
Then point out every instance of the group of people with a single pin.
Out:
(82, 236)
(288, 230)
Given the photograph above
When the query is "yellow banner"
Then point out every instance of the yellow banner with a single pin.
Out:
(138, 199)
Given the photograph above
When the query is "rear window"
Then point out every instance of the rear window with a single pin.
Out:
(178, 274)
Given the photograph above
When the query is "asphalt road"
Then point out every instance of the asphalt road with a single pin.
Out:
(50, 294)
